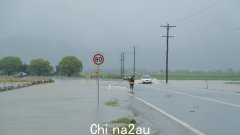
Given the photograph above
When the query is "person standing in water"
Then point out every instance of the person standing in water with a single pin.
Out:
(131, 82)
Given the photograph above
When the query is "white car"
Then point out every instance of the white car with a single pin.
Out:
(146, 79)
(21, 74)
(126, 77)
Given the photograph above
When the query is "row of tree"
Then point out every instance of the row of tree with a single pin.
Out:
(69, 65)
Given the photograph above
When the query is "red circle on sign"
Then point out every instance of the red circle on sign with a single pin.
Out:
(98, 59)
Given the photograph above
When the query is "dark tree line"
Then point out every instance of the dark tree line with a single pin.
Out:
(69, 66)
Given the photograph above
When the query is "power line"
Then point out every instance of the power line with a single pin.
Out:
(214, 35)
(225, 32)
(167, 27)
(197, 13)
(186, 20)
(225, 9)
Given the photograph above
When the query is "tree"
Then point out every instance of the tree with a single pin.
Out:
(40, 67)
(10, 65)
(69, 66)
(25, 68)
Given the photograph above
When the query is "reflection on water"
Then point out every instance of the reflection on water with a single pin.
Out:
(65, 107)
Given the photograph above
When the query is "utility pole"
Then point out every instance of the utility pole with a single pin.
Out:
(134, 48)
(123, 63)
(167, 27)
(161, 75)
(121, 59)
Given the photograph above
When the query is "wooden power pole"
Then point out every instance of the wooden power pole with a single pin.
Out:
(167, 27)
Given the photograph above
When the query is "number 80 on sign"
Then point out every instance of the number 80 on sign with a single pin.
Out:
(98, 59)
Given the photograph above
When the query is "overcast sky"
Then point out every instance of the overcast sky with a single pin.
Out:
(206, 36)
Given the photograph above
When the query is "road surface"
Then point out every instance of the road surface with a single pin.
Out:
(66, 107)
(209, 111)
(69, 107)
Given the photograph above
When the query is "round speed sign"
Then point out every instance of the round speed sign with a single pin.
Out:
(98, 59)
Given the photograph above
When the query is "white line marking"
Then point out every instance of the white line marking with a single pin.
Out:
(199, 97)
(170, 116)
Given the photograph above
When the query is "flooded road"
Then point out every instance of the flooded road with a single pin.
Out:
(212, 112)
(67, 107)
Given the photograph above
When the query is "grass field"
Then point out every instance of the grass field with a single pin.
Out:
(25, 79)
(11, 83)
(187, 76)
(232, 77)
(11, 79)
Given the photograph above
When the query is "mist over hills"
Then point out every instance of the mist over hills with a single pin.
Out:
(206, 36)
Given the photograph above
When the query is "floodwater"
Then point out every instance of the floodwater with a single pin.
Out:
(67, 107)
(220, 85)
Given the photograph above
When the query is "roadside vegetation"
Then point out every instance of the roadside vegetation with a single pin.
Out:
(199, 76)
(203, 75)
(40, 67)
(235, 82)
(228, 74)
(123, 126)
(113, 102)
(11, 83)
(124, 120)
(26, 79)
(72, 66)
(12, 79)
(68, 66)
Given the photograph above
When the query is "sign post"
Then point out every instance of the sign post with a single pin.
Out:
(98, 87)
(98, 59)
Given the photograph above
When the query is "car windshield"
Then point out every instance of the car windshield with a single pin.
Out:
(146, 77)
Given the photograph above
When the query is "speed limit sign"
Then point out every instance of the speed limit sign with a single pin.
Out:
(98, 59)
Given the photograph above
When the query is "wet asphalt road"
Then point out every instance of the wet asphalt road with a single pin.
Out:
(210, 111)
(66, 107)
(69, 107)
